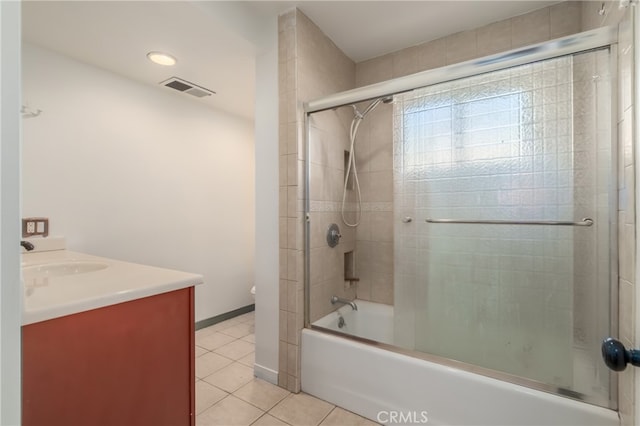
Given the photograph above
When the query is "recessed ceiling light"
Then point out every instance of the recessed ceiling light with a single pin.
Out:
(161, 58)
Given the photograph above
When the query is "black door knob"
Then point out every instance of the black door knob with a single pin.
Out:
(616, 356)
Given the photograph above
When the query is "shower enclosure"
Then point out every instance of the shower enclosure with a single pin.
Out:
(486, 215)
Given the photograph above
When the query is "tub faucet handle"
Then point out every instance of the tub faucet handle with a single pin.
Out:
(333, 235)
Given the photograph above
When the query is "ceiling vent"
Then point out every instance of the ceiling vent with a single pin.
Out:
(187, 87)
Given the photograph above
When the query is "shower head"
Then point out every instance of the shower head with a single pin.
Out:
(387, 99)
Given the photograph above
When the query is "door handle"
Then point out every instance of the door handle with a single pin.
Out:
(616, 356)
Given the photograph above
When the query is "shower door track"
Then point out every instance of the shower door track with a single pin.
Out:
(588, 40)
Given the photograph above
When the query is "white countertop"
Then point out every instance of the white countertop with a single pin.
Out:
(56, 296)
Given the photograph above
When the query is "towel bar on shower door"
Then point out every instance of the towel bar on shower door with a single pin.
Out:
(584, 222)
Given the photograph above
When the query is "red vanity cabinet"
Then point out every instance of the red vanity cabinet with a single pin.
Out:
(128, 364)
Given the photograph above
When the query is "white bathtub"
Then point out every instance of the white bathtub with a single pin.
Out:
(389, 387)
(372, 321)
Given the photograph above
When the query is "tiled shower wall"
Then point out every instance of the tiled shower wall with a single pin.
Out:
(374, 239)
(375, 138)
(310, 66)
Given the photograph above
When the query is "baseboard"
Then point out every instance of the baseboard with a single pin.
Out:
(223, 317)
(265, 374)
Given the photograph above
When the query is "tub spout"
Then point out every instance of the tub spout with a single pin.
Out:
(336, 299)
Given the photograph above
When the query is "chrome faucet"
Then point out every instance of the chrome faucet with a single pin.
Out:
(336, 299)
(27, 245)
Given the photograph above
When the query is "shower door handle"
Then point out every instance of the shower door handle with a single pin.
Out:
(616, 356)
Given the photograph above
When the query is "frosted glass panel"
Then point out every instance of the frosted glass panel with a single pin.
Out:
(528, 143)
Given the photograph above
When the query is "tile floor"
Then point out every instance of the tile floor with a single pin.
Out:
(227, 394)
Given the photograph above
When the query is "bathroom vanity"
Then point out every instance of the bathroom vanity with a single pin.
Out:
(106, 342)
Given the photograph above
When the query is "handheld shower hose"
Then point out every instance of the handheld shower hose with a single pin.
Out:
(351, 163)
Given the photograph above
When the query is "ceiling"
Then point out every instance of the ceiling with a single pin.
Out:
(214, 52)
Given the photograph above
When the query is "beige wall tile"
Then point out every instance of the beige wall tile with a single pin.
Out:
(282, 138)
(405, 61)
(382, 289)
(292, 198)
(432, 54)
(283, 324)
(282, 362)
(282, 198)
(283, 296)
(382, 227)
(293, 331)
(292, 270)
(292, 138)
(292, 233)
(283, 180)
(292, 299)
(565, 18)
(293, 360)
(589, 16)
(530, 28)
(494, 38)
(283, 232)
(283, 263)
(374, 70)
(461, 46)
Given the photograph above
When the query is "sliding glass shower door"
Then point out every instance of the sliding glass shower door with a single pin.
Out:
(503, 221)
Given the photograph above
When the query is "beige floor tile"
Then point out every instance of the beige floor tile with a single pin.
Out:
(342, 417)
(207, 395)
(239, 330)
(205, 331)
(250, 338)
(210, 363)
(262, 394)
(231, 411)
(248, 360)
(301, 410)
(267, 420)
(200, 351)
(230, 322)
(231, 377)
(248, 317)
(236, 349)
(214, 340)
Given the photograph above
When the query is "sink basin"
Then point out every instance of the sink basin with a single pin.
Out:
(60, 269)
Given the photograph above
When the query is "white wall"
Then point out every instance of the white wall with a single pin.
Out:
(262, 31)
(267, 236)
(10, 288)
(132, 172)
